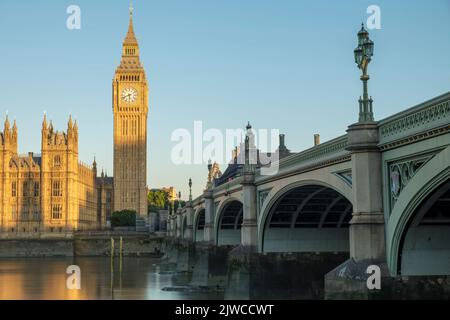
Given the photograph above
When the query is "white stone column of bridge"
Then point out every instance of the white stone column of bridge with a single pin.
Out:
(179, 220)
(208, 235)
(189, 222)
(367, 234)
(172, 226)
(169, 227)
(249, 231)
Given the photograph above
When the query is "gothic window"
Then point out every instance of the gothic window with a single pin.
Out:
(56, 212)
(36, 189)
(24, 215)
(25, 189)
(56, 189)
(36, 212)
(14, 189)
(57, 161)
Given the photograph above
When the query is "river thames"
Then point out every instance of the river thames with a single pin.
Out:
(140, 279)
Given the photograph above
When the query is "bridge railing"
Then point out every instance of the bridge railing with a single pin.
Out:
(197, 201)
(432, 114)
(328, 150)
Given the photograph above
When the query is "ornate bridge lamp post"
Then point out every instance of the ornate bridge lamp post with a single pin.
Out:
(366, 231)
(249, 230)
(189, 215)
(173, 218)
(190, 189)
(367, 224)
(363, 56)
(208, 231)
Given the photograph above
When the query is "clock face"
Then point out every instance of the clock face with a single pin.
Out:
(129, 95)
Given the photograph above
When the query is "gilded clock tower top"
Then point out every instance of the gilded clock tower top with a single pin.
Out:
(130, 50)
(130, 82)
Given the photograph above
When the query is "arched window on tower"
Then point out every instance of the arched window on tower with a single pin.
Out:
(57, 161)
(14, 189)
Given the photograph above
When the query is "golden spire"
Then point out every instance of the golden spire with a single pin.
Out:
(70, 123)
(7, 125)
(131, 38)
(44, 122)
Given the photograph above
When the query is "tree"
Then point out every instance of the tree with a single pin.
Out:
(124, 218)
(157, 200)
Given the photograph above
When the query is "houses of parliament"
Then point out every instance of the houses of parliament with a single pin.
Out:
(53, 193)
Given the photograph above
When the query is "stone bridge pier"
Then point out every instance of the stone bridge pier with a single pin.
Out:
(366, 231)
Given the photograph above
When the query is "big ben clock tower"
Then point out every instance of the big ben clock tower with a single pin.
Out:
(130, 107)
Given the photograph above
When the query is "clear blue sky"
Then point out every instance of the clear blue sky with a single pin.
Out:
(284, 64)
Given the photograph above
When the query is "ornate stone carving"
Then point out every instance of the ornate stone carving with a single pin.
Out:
(422, 118)
(400, 173)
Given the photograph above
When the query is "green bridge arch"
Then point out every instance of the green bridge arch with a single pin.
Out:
(425, 182)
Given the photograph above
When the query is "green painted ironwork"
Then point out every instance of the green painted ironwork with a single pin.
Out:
(431, 114)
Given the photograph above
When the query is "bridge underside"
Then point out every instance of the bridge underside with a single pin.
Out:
(229, 231)
(425, 248)
(309, 218)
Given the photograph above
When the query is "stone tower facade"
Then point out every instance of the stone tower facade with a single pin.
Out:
(130, 108)
(51, 194)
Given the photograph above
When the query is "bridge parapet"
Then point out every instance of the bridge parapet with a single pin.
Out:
(198, 201)
(315, 156)
(229, 187)
(431, 116)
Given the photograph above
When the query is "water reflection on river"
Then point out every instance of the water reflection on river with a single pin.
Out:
(45, 279)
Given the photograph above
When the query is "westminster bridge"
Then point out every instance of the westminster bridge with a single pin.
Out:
(377, 196)
(380, 193)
